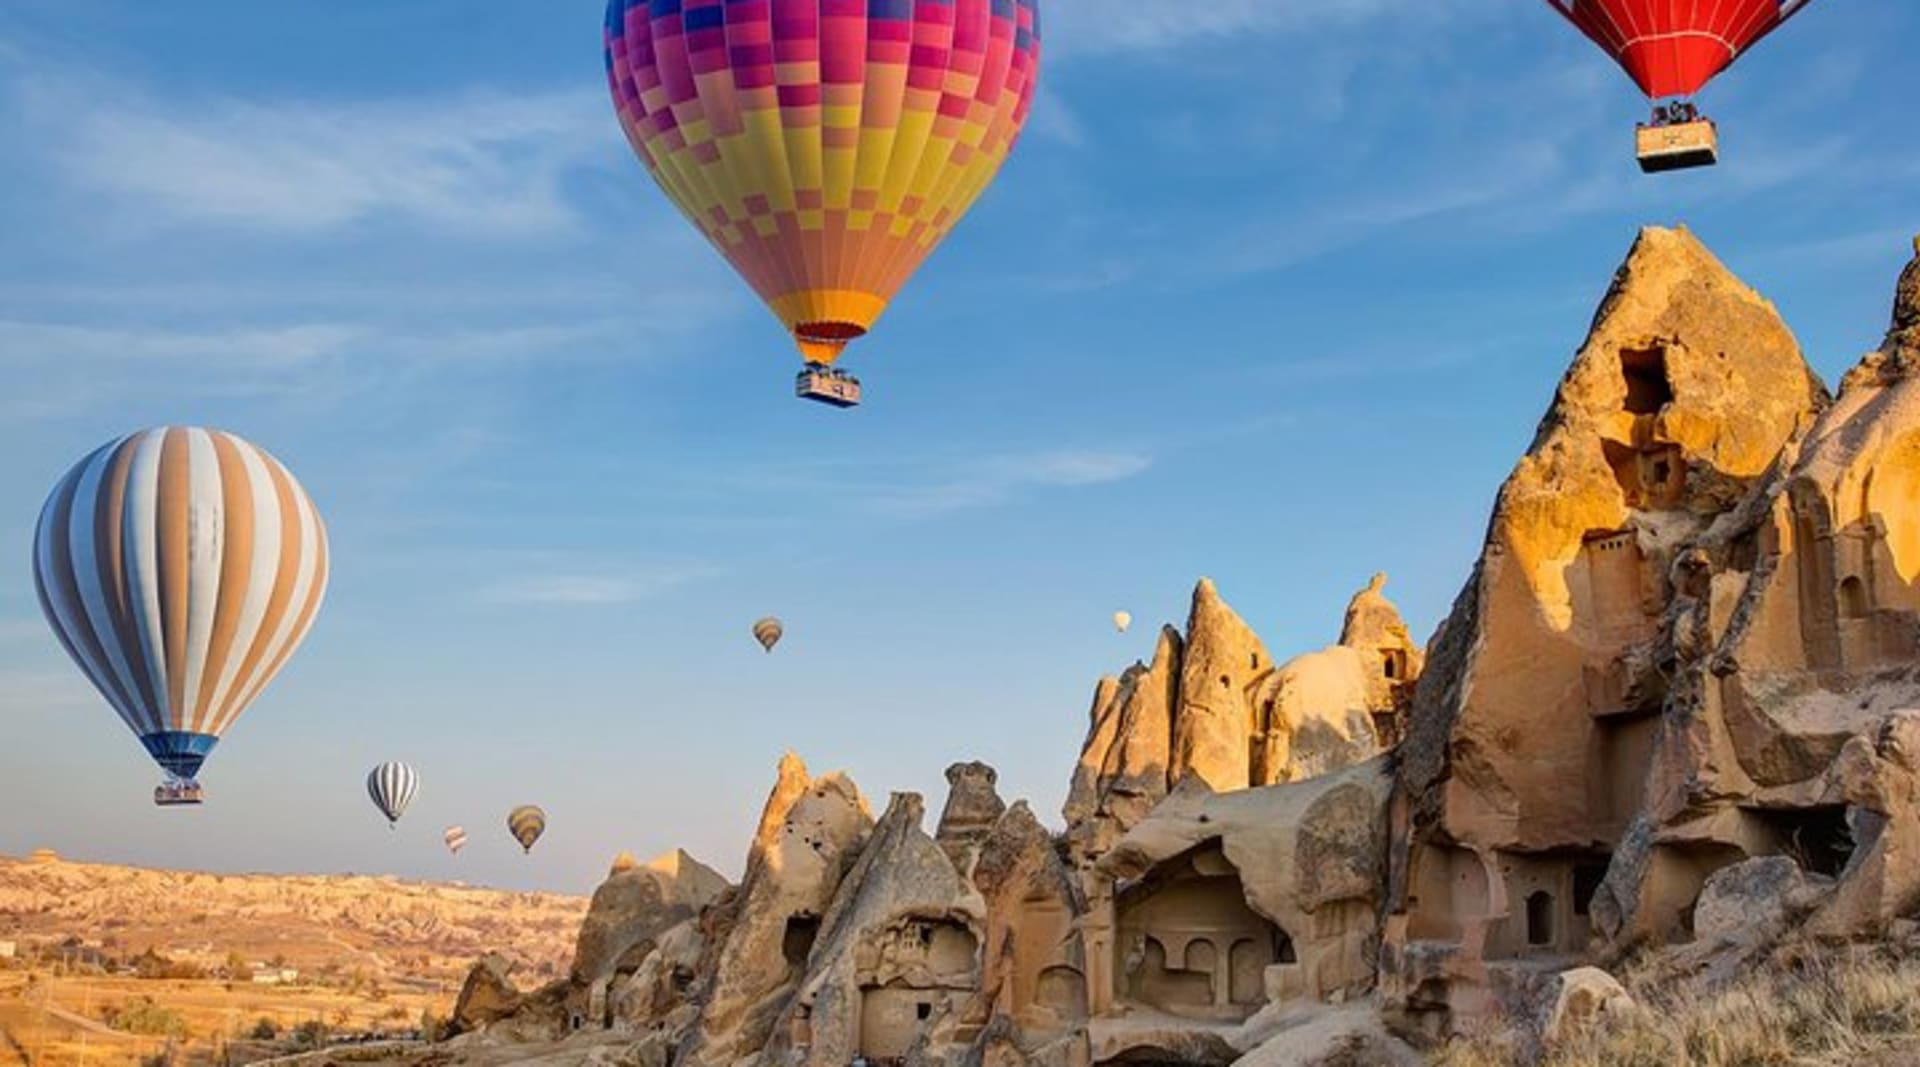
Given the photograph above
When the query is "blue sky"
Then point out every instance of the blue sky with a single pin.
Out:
(1271, 292)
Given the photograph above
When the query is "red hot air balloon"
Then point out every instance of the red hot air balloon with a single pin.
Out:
(1672, 49)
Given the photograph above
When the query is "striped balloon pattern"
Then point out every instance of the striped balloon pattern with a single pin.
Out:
(456, 839)
(392, 786)
(526, 823)
(180, 568)
(768, 632)
(825, 147)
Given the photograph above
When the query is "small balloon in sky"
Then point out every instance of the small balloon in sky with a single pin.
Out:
(526, 823)
(392, 787)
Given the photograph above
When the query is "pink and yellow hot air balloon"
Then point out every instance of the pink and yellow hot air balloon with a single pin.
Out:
(825, 147)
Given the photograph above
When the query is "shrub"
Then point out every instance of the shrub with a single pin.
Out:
(147, 1019)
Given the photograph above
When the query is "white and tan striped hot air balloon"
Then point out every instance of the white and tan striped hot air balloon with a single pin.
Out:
(526, 823)
(456, 839)
(768, 632)
(180, 568)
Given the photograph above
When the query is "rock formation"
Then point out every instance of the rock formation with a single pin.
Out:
(973, 806)
(1212, 706)
(1671, 711)
(811, 832)
(631, 913)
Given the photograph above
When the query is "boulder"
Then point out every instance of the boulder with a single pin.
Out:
(634, 906)
(1350, 1036)
(1576, 998)
(487, 996)
(1750, 901)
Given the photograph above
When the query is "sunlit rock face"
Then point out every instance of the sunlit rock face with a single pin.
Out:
(1672, 709)
(1212, 709)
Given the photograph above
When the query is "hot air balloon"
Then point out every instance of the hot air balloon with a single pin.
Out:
(456, 839)
(1671, 50)
(392, 786)
(768, 632)
(180, 568)
(1122, 620)
(824, 147)
(526, 823)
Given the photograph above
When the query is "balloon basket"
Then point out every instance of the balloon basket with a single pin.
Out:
(180, 792)
(826, 385)
(1677, 145)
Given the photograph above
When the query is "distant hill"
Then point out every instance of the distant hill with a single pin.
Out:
(318, 924)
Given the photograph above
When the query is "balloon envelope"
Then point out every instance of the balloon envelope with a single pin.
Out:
(824, 147)
(1122, 620)
(456, 839)
(392, 786)
(768, 632)
(180, 568)
(1674, 49)
(526, 823)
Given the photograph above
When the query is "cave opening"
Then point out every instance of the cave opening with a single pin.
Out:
(1819, 839)
(797, 943)
(1645, 372)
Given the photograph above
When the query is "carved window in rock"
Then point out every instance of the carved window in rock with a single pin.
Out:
(796, 944)
(1540, 919)
(1644, 372)
(1853, 599)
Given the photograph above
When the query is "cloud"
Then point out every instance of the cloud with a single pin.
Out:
(277, 347)
(70, 368)
(481, 162)
(584, 589)
(1111, 26)
(995, 481)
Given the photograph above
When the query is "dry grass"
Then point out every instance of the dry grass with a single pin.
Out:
(1803, 1006)
(212, 1015)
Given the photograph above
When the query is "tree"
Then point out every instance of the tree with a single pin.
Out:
(237, 968)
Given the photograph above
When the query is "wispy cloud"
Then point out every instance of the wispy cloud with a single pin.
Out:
(484, 162)
(999, 480)
(1083, 25)
(78, 368)
(592, 590)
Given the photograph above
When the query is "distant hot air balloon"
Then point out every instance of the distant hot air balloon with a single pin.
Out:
(392, 786)
(526, 823)
(456, 839)
(180, 568)
(768, 632)
(1122, 620)
(825, 147)
(1672, 50)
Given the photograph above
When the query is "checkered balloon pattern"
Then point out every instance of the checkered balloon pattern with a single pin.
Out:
(825, 147)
